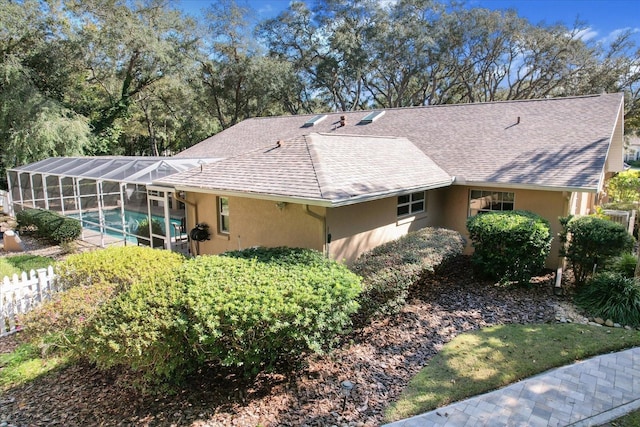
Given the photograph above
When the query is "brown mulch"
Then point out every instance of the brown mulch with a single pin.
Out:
(380, 359)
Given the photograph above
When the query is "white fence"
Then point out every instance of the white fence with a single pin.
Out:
(625, 218)
(21, 294)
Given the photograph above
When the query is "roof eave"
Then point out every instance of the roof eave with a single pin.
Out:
(391, 193)
(329, 203)
(524, 186)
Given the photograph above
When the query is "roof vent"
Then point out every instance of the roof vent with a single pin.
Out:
(371, 117)
(314, 120)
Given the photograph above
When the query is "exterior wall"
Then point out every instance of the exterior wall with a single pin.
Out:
(254, 222)
(548, 204)
(615, 155)
(582, 203)
(358, 228)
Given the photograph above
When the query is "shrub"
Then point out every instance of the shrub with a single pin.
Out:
(251, 314)
(589, 241)
(121, 266)
(282, 256)
(229, 311)
(611, 296)
(142, 230)
(25, 218)
(89, 280)
(68, 231)
(390, 269)
(49, 225)
(144, 330)
(509, 246)
(625, 187)
(56, 324)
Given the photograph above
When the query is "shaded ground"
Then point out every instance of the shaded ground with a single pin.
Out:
(380, 359)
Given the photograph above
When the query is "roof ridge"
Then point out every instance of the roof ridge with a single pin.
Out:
(418, 107)
(314, 156)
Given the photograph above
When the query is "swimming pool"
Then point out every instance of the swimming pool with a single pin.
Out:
(113, 222)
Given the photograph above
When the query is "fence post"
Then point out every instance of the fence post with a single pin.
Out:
(20, 294)
(42, 283)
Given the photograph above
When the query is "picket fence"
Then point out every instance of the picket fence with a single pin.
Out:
(21, 294)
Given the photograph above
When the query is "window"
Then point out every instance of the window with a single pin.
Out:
(490, 201)
(223, 215)
(411, 204)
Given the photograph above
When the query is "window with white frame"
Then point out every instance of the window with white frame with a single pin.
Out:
(223, 215)
(411, 204)
(490, 201)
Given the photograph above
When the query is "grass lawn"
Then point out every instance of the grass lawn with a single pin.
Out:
(484, 360)
(630, 420)
(25, 364)
(19, 263)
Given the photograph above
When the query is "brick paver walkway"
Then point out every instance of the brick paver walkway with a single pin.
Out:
(587, 393)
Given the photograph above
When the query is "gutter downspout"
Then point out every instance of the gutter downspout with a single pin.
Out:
(323, 220)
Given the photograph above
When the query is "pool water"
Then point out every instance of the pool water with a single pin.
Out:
(113, 222)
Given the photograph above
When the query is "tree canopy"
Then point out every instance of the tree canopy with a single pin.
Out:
(140, 77)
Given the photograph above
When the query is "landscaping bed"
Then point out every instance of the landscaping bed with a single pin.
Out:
(379, 359)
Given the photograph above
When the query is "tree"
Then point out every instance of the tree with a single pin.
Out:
(239, 81)
(625, 187)
(127, 49)
(36, 73)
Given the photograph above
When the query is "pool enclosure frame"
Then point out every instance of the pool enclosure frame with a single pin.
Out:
(96, 189)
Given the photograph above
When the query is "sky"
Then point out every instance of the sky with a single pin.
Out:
(604, 17)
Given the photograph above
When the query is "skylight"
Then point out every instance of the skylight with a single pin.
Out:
(371, 117)
(314, 120)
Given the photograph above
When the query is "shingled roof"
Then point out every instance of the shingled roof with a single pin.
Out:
(558, 143)
(324, 169)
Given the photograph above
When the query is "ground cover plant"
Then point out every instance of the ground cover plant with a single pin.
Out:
(18, 263)
(484, 360)
(611, 295)
(509, 246)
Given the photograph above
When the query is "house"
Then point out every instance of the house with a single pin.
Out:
(632, 149)
(346, 182)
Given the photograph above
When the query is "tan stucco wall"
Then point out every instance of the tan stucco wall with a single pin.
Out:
(548, 204)
(356, 229)
(615, 155)
(255, 222)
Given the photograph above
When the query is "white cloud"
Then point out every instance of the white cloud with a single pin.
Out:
(586, 34)
(613, 35)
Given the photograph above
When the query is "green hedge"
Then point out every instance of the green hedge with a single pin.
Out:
(590, 242)
(253, 314)
(509, 246)
(390, 269)
(121, 266)
(88, 281)
(246, 310)
(143, 330)
(50, 225)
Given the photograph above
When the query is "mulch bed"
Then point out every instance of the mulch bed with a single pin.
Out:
(379, 359)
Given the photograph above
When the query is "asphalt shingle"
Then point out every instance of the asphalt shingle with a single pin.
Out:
(336, 169)
(558, 142)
